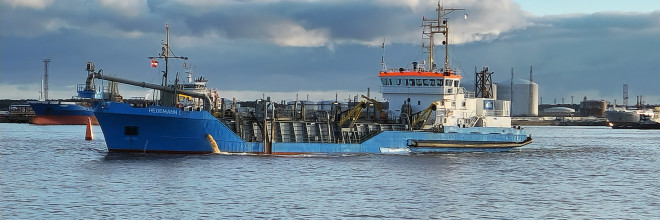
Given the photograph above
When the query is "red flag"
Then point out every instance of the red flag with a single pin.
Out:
(154, 63)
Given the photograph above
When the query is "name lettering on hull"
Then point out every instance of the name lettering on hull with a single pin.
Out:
(164, 111)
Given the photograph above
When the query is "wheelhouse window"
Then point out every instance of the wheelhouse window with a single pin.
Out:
(432, 82)
(426, 82)
(384, 81)
(398, 81)
(419, 82)
(448, 82)
(456, 83)
(440, 82)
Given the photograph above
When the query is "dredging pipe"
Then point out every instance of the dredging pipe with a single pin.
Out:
(92, 75)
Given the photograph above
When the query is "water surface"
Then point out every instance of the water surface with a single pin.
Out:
(567, 172)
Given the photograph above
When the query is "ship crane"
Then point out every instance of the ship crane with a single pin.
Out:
(355, 112)
(424, 115)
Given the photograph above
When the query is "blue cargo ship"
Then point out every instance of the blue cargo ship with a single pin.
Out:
(56, 112)
(75, 111)
(429, 112)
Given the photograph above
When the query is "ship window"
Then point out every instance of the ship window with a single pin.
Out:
(411, 82)
(432, 82)
(419, 102)
(448, 82)
(456, 83)
(384, 81)
(130, 130)
(419, 82)
(463, 103)
(449, 90)
(398, 81)
(440, 82)
(389, 82)
(426, 82)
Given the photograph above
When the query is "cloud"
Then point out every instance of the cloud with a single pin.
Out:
(32, 4)
(286, 23)
(129, 8)
(290, 34)
(486, 20)
(308, 45)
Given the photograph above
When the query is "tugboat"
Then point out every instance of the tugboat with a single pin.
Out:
(431, 113)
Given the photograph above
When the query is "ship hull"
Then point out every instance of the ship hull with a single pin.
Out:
(637, 125)
(170, 130)
(55, 113)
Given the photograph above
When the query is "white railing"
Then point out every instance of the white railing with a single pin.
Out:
(496, 113)
(462, 90)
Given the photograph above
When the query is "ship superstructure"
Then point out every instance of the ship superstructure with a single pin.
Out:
(425, 88)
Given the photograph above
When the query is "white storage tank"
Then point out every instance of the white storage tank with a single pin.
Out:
(525, 101)
(559, 111)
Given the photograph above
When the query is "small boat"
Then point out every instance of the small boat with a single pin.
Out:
(428, 113)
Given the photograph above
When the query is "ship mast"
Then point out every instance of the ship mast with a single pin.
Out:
(434, 26)
(165, 54)
(167, 98)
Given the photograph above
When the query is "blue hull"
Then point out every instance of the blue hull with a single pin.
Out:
(170, 130)
(55, 113)
(55, 109)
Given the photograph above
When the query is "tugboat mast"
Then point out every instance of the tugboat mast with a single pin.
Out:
(434, 26)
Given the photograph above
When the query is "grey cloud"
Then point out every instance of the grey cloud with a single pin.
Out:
(570, 53)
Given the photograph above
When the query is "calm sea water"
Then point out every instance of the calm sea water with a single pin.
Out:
(51, 172)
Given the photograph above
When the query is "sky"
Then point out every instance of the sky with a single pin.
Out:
(249, 49)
